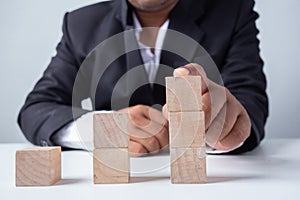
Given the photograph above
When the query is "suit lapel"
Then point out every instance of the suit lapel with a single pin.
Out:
(181, 42)
(136, 84)
(136, 78)
(184, 29)
(183, 19)
(124, 82)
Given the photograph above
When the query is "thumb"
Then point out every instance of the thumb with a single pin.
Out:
(181, 71)
(165, 111)
(193, 69)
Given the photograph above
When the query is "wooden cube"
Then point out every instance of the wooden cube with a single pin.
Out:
(186, 129)
(111, 165)
(111, 130)
(188, 165)
(38, 166)
(184, 93)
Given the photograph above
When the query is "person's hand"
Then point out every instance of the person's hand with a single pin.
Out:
(148, 129)
(227, 123)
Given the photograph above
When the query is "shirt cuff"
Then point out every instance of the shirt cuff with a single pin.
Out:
(77, 134)
(210, 150)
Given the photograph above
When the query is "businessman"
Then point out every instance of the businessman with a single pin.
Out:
(235, 111)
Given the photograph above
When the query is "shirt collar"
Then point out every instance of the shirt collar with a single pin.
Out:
(160, 37)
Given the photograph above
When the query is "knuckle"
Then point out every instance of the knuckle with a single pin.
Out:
(131, 128)
(140, 149)
(206, 106)
(165, 131)
(135, 110)
(139, 107)
(136, 147)
(240, 135)
(152, 142)
(134, 119)
(247, 132)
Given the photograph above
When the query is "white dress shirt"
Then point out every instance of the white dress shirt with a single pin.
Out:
(150, 60)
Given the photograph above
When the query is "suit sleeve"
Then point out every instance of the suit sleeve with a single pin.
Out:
(49, 107)
(243, 73)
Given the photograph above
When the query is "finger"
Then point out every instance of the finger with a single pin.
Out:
(163, 136)
(238, 134)
(159, 128)
(207, 109)
(158, 123)
(197, 70)
(135, 131)
(150, 128)
(160, 131)
(181, 71)
(147, 112)
(146, 119)
(212, 104)
(221, 125)
(213, 101)
(136, 149)
(155, 115)
(165, 112)
(226, 117)
(193, 70)
(150, 143)
(142, 135)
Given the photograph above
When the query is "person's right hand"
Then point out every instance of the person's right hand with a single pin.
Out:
(148, 129)
(227, 122)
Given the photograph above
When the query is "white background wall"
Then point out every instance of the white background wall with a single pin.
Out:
(31, 29)
(279, 24)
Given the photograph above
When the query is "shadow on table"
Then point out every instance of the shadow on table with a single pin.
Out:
(71, 181)
(148, 179)
(214, 179)
(222, 179)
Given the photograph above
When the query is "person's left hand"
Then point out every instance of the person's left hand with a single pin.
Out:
(148, 130)
(227, 123)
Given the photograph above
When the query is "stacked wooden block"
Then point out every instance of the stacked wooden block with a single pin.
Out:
(186, 129)
(111, 142)
(38, 166)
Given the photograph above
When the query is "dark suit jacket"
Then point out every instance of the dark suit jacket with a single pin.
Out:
(226, 29)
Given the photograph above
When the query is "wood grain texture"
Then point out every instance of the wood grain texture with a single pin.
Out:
(188, 165)
(186, 129)
(38, 166)
(111, 165)
(183, 93)
(111, 130)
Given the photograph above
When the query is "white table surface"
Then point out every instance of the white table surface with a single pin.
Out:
(272, 171)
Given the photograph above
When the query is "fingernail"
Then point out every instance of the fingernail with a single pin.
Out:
(181, 71)
(220, 146)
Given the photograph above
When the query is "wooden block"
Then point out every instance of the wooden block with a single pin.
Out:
(186, 129)
(188, 165)
(111, 165)
(184, 93)
(111, 130)
(38, 166)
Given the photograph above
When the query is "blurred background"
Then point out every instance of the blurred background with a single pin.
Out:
(31, 29)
